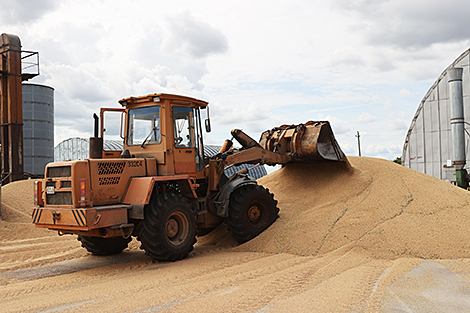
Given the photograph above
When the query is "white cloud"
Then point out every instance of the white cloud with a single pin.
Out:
(348, 148)
(386, 151)
(253, 118)
(399, 121)
(78, 83)
(405, 93)
(339, 126)
(410, 25)
(25, 11)
(192, 37)
(366, 118)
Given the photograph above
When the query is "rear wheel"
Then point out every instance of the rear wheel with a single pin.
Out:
(104, 246)
(168, 231)
(252, 209)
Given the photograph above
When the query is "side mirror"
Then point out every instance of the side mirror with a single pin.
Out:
(208, 125)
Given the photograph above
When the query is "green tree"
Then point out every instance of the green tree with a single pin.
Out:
(397, 160)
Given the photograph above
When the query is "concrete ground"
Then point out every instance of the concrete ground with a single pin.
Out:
(429, 287)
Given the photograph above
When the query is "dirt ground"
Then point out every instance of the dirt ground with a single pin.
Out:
(369, 237)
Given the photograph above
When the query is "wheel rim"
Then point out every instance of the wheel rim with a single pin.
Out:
(177, 228)
(256, 212)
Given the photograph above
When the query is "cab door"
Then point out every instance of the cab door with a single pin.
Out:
(184, 135)
(112, 149)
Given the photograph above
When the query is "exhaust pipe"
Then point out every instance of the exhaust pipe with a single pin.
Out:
(96, 143)
(457, 122)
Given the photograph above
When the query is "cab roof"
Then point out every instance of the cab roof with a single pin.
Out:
(160, 97)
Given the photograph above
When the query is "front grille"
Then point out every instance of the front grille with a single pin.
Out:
(59, 198)
(112, 180)
(111, 168)
(59, 171)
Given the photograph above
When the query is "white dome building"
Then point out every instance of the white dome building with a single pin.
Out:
(428, 143)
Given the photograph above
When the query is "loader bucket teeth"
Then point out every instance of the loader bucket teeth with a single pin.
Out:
(310, 142)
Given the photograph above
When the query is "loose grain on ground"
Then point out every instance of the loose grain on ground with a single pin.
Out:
(384, 208)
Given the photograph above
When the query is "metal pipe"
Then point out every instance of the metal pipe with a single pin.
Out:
(96, 128)
(96, 143)
(457, 119)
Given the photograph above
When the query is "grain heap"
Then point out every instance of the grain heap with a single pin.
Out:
(379, 206)
(17, 202)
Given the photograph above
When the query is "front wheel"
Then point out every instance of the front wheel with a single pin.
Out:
(252, 209)
(168, 231)
(104, 246)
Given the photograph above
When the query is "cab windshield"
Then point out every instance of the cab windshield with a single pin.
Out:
(144, 125)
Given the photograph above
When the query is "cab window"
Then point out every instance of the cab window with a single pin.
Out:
(183, 122)
(144, 125)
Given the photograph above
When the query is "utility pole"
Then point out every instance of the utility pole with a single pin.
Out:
(358, 142)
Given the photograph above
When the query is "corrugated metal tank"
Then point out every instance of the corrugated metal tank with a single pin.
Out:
(38, 127)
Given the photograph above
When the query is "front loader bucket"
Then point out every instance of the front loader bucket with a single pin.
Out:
(310, 142)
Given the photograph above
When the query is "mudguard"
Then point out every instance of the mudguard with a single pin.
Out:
(222, 198)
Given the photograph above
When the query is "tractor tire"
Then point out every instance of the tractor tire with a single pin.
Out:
(252, 209)
(168, 230)
(104, 246)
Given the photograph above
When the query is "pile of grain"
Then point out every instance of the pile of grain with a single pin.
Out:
(386, 209)
(17, 202)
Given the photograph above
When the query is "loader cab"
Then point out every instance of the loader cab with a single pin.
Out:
(168, 128)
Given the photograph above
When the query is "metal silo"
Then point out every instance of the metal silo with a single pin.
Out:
(38, 127)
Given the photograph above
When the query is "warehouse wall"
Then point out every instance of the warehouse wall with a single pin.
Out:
(428, 144)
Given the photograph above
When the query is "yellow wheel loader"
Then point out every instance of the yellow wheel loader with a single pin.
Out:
(161, 189)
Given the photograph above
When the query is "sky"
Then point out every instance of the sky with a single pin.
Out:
(363, 65)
